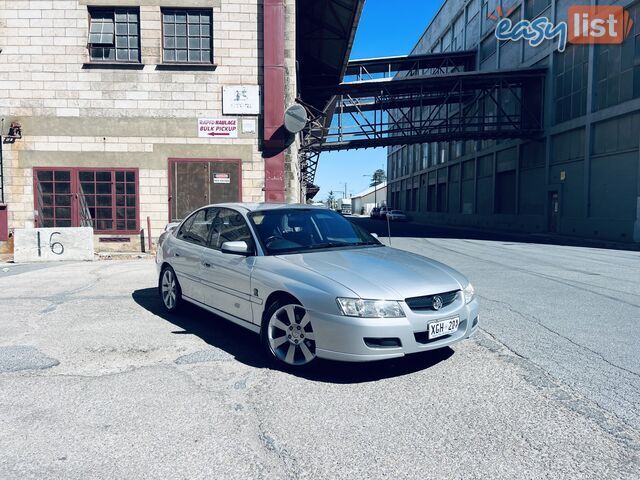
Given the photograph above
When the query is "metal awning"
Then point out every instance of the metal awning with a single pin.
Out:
(325, 33)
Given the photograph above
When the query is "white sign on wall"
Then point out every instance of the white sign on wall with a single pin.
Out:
(241, 100)
(218, 127)
(248, 126)
(221, 178)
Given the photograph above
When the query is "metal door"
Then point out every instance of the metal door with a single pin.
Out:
(196, 183)
(554, 211)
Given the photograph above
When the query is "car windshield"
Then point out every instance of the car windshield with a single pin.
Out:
(298, 230)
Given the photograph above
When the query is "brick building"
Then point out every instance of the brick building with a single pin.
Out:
(122, 117)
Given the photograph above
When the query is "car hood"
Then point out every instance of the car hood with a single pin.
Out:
(381, 272)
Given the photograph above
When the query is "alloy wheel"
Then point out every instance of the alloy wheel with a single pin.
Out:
(169, 289)
(290, 335)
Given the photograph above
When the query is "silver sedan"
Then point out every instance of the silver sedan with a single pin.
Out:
(312, 284)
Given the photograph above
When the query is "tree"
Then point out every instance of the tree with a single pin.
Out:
(378, 177)
(331, 199)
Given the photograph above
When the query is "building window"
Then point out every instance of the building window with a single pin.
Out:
(106, 200)
(488, 47)
(571, 74)
(187, 36)
(618, 67)
(533, 8)
(488, 15)
(114, 35)
(458, 34)
(568, 146)
(53, 198)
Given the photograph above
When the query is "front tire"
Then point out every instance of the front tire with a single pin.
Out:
(287, 334)
(169, 289)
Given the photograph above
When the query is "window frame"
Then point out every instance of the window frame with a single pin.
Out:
(112, 10)
(75, 201)
(186, 10)
(191, 218)
(252, 244)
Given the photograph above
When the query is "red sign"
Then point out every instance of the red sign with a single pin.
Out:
(598, 24)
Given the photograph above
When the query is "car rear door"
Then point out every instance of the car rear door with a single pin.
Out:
(225, 277)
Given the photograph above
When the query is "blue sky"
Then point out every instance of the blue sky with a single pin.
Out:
(383, 31)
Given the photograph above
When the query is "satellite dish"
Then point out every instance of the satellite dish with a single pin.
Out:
(295, 118)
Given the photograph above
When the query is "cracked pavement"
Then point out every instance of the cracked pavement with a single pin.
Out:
(96, 381)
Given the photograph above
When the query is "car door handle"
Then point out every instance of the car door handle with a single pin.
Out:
(206, 264)
(176, 254)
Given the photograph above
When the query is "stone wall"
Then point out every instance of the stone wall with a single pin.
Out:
(76, 113)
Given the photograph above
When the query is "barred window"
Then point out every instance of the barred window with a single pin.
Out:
(114, 35)
(187, 36)
(106, 200)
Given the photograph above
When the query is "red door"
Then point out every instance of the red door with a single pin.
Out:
(4, 224)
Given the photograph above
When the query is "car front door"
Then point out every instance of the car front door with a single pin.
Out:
(226, 277)
(186, 254)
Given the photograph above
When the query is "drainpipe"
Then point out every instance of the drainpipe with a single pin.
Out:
(1, 164)
(274, 99)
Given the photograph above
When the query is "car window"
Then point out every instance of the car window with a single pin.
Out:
(197, 228)
(336, 231)
(285, 230)
(230, 226)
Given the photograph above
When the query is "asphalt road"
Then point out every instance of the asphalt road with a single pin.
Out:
(97, 382)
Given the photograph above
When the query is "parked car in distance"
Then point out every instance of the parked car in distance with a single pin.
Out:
(313, 284)
(397, 216)
(384, 211)
(375, 212)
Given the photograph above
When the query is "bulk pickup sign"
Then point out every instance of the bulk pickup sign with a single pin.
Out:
(218, 127)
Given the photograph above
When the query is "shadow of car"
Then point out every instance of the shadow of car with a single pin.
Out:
(244, 346)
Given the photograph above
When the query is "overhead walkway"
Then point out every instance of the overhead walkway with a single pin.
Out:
(381, 102)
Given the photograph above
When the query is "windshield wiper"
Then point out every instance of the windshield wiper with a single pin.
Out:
(326, 245)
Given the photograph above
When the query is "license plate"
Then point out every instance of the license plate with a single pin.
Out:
(444, 327)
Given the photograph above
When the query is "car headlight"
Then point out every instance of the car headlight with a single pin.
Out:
(356, 307)
(469, 293)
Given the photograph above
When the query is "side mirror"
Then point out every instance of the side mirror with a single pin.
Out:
(375, 235)
(170, 227)
(236, 248)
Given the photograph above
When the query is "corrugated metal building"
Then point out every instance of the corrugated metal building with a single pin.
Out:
(581, 177)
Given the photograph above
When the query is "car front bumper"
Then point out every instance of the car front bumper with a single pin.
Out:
(343, 338)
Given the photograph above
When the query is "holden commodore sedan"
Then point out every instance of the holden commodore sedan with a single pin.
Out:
(312, 284)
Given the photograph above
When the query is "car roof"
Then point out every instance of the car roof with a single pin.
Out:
(254, 207)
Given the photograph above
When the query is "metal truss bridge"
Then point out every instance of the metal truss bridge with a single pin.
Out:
(421, 99)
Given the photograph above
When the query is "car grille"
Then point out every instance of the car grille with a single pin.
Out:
(421, 304)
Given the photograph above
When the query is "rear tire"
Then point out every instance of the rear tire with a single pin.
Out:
(287, 335)
(169, 290)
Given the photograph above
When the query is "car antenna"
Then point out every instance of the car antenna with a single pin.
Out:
(388, 226)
